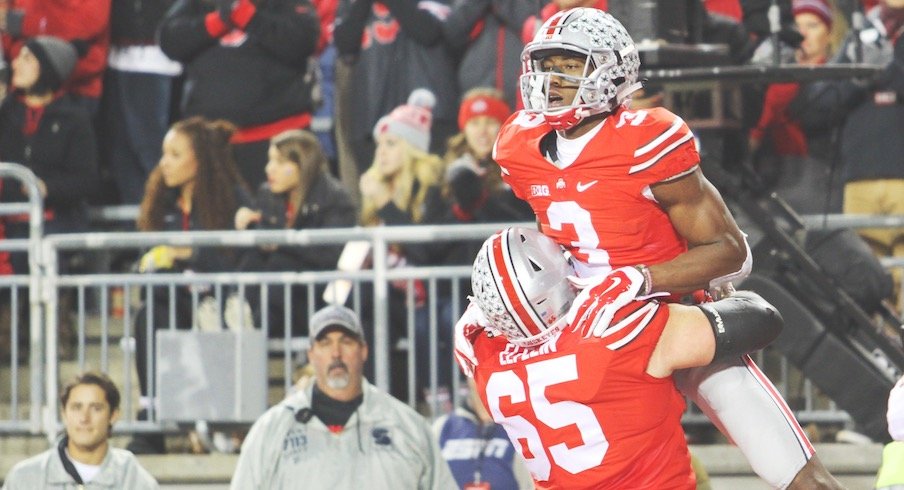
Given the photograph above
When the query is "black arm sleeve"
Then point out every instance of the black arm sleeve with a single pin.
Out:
(457, 27)
(742, 323)
(182, 34)
(349, 27)
(826, 103)
(76, 175)
(288, 31)
(418, 24)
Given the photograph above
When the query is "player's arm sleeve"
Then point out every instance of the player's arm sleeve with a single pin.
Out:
(742, 323)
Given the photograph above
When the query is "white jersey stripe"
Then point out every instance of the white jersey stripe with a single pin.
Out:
(649, 163)
(628, 319)
(634, 333)
(676, 125)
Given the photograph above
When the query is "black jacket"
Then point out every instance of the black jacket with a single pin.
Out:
(249, 78)
(62, 152)
(328, 205)
(870, 112)
(404, 48)
(134, 22)
(489, 31)
(204, 259)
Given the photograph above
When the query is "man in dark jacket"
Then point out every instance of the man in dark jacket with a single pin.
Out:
(397, 47)
(869, 112)
(246, 62)
(137, 95)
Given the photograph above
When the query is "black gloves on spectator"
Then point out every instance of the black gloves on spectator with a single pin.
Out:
(466, 187)
(756, 20)
(892, 77)
(224, 8)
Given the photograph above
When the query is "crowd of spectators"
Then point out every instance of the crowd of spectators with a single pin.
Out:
(200, 111)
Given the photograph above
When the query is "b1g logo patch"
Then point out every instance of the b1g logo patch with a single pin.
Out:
(539, 190)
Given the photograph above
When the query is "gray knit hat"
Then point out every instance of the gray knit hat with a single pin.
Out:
(411, 121)
(56, 56)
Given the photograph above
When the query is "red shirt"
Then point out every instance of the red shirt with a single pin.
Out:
(583, 411)
(600, 207)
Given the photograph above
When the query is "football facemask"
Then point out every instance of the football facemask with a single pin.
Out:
(611, 66)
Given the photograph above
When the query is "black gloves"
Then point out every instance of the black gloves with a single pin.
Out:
(224, 8)
(466, 187)
(891, 79)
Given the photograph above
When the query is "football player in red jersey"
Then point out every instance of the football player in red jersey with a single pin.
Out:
(618, 187)
(582, 382)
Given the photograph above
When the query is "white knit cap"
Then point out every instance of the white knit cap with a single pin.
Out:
(411, 121)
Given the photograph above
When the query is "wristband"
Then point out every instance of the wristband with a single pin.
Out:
(647, 287)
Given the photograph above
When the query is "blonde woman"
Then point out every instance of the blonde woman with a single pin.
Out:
(394, 189)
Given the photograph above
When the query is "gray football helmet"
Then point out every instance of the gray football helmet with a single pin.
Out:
(610, 69)
(520, 283)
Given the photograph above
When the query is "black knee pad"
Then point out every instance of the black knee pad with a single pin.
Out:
(742, 323)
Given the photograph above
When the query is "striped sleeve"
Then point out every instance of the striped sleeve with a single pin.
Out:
(665, 148)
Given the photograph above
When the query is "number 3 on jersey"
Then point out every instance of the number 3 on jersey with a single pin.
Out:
(560, 213)
(541, 375)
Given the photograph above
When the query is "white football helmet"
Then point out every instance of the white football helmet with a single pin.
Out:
(520, 282)
(610, 69)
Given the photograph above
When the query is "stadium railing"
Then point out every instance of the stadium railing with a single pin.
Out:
(102, 324)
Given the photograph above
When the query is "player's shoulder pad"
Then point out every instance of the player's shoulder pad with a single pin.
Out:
(652, 134)
(516, 131)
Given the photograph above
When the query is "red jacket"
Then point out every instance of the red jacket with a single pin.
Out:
(85, 20)
(781, 128)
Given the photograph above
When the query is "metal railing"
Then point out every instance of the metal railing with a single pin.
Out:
(34, 209)
(94, 293)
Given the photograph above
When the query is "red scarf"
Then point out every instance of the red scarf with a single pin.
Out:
(33, 117)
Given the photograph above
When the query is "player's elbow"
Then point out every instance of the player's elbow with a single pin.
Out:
(736, 251)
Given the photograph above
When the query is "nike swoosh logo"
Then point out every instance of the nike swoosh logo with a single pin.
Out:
(615, 283)
(583, 187)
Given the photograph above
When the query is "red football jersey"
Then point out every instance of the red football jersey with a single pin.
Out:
(582, 411)
(600, 206)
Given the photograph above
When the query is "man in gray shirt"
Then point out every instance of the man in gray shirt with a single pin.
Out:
(341, 432)
(83, 458)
